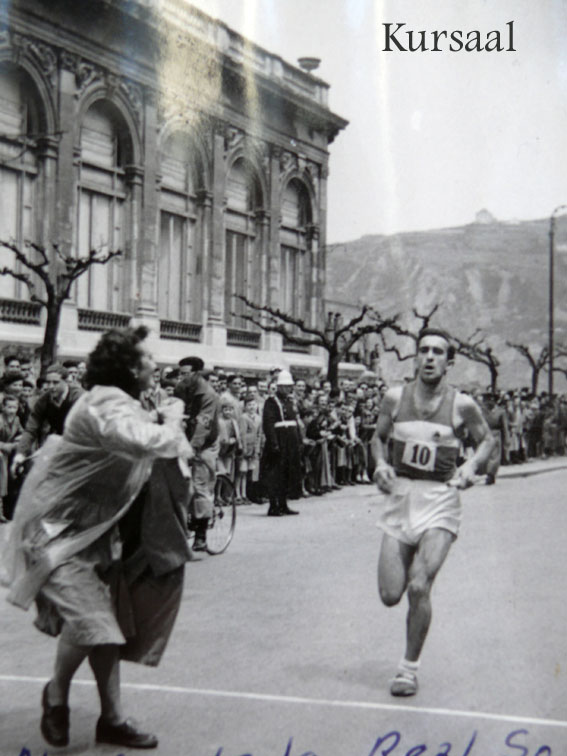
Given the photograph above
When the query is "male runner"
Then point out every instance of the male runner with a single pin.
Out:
(416, 444)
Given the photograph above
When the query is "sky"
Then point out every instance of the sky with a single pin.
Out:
(433, 137)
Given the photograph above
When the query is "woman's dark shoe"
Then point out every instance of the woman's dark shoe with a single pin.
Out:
(124, 734)
(54, 722)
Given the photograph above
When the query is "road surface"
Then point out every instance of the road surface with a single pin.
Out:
(283, 649)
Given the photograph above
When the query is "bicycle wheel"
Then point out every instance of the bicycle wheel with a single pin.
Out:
(223, 521)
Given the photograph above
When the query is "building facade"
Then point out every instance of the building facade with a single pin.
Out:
(148, 127)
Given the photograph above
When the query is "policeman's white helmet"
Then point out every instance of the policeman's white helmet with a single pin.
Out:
(284, 378)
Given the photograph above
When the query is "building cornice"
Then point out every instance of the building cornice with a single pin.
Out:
(179, 20)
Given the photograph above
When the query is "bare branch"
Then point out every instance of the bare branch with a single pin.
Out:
(41, 250)
(281, 329)
(426, 318)
(536, 362)
(475, 352)
(40, 268)
(351, 323)
(76, 266)
(59, 253)
(394, 350)
(369, 328)
(24, 278)
(277, 315)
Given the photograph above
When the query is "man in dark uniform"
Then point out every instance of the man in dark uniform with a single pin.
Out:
(416, 444)
(202, 410)
(280, 467)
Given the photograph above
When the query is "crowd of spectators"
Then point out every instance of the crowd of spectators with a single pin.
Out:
(31, 408)
(335, 426)
(335, 429)
(527, 426)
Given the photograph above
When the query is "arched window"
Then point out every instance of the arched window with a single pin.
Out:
(102, 197)
(179, 265)
(295, 255)
(19, 130)
(242, 253)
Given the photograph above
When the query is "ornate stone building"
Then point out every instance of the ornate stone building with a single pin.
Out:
(146, 126)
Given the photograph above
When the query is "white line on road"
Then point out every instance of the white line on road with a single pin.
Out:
(267, 697)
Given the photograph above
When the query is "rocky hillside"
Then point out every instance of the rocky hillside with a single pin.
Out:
(489, 274)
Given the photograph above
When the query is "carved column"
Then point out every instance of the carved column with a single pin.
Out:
(313, 306)
(260, 263)
(273, 341)
(322, 244)
(216, 328)
(47, 224)
(66, 184)
(145, 206)
(130, 302)
(203, 246)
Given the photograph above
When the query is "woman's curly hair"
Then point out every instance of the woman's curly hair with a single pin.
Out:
(114, 358)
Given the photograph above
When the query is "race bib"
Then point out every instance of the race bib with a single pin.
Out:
(420, 455)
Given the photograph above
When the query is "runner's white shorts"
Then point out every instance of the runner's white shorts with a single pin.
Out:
(415, 506)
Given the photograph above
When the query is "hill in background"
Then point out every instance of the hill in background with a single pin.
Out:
(489, 274)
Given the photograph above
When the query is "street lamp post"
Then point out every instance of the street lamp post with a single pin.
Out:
(554, 214)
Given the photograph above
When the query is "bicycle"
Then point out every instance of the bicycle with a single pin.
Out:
(222, 522)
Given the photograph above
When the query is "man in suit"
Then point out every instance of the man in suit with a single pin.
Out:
(202, 410)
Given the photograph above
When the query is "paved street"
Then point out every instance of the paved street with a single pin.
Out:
(283, 649)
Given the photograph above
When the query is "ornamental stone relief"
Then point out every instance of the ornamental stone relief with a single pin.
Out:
(261, 152)
(233, 138)
(87, 74)
(288, 162)
(42, 56)
(313, 171)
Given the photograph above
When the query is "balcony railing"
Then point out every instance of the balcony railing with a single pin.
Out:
(172, 329)
(19, 311)
(100, 320)
(237, 337)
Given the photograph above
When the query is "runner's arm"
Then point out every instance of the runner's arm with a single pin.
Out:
(477, 426)
(384, 474)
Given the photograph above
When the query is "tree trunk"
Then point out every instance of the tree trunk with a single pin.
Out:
(493, 378)
(333, 368)
(49, 346)
(535, 379)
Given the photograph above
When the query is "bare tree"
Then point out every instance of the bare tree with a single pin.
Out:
(537, 363)
(472, 348)
(57, 273)
(337, 338)
(559, 352)
(409, 333)
(475, 349)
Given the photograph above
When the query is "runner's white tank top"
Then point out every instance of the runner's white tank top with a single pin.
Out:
(423, 446)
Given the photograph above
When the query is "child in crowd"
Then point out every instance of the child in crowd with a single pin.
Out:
(249, 462)
(229, 441)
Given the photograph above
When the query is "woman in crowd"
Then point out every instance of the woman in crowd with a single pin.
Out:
(66, 548)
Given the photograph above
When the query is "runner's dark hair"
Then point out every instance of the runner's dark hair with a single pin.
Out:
(432, 331)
